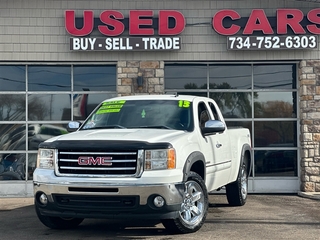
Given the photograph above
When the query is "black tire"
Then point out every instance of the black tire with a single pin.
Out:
(237, 191)
(57, 222)
(194, 208)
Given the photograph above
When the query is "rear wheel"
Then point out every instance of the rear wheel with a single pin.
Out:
(57, 222)
(237, 191)
(194, 207)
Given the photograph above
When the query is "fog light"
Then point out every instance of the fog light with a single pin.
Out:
(158, 201)
(43, 199)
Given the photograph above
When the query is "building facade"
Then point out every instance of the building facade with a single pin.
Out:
(259, 60)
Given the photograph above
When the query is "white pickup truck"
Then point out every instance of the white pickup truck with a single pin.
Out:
(150, 157)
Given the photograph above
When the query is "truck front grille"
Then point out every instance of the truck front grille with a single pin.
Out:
(99, 164)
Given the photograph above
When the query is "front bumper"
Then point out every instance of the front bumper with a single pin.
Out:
(109, 201)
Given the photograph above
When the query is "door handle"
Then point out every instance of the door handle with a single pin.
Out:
(218, 145)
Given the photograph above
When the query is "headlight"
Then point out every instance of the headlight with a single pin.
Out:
(160, 159)
(46, 158)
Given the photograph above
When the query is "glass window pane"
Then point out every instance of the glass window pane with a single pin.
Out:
(94, 78)
(32, 162)
(185, 76)
(275, 163)
(240, 124)
(13, 166)
(84, 104)
(13, 137)
(233, 104)
(275, 134)
(274, 76)
(49, 78)
(12, 78)
(49, 107)
(230, 77)
(12, 107)
(38, 133)
(275, 104)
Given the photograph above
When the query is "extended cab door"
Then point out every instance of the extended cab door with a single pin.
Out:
(216, 146)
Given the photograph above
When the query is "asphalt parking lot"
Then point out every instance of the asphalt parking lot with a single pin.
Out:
(263, 217)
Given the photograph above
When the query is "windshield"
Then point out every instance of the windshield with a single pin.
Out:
(166, 114)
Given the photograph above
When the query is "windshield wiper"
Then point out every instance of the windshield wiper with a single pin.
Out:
(156, 126)
(104, 127)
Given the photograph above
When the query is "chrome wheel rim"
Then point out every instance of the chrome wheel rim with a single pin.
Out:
(244, 183)
(193, 205)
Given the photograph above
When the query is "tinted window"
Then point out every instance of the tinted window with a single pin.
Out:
(230, 77)
(12, 78)
(94, 78)
(185, 76)
(49, 78)
(12, 107)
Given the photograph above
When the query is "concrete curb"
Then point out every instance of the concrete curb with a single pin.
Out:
(311, 195)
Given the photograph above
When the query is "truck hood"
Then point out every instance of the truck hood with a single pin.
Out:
(146, 135)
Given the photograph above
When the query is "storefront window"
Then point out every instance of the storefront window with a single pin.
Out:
(12, 78)
(274, 105)
(12, 107)
(230, 77)
(94, 78)
(49, 107)
(280, 76)
(49, 78)
(186, 77)
(50, 96)
(261, 97)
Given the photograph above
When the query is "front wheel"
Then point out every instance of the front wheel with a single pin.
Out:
(194, 207)
(57, 222)
(237, 191)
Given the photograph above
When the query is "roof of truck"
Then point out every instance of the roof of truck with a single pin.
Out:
(162, 97)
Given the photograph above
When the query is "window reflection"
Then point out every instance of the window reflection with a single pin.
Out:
(275, 134)
(13, 166)
(94, 78)
(49, 107)
(49, 78)
(274, 105)
(275, 163)
(185, 76)
(13, 137)
(230, 77)
(84, 104)
(32, 162)
(274, 76)
(233, 104)
(12, 107)
(12, 78)
(38, 133)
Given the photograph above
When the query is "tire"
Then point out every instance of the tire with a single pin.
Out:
(194, 207)
(237, 191)
(57, 222)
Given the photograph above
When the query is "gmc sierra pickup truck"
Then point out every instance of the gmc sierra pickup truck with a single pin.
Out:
(150, 157)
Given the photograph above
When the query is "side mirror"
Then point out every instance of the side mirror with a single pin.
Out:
(213, 126)
(73, 126)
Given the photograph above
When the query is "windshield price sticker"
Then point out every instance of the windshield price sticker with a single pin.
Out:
(272, 42)
(184, 104)
(111, 107)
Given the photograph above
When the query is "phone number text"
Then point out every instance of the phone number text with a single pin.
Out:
(272, 42)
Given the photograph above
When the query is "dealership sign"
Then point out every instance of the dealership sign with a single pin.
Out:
(289, 29)
(293, 21)
(141, 26)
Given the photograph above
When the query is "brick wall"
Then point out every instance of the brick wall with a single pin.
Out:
(152, 73)
(309, 75)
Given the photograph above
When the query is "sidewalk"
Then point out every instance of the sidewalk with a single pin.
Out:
(12, 203)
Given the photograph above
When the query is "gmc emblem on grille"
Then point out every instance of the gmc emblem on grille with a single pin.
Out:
(106, 161)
